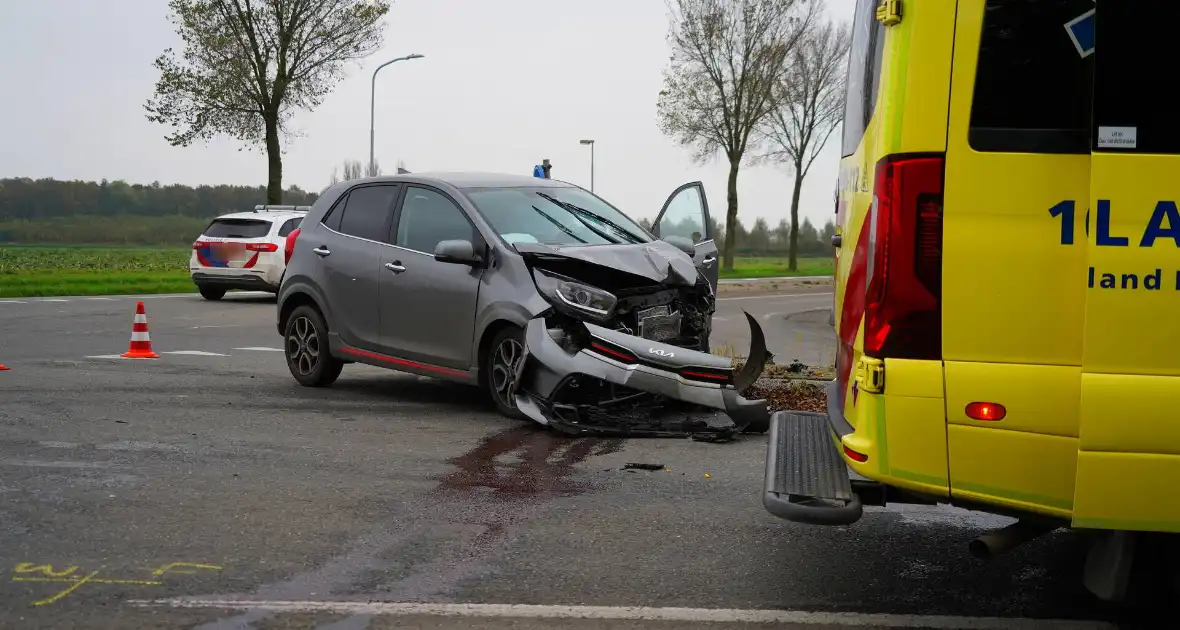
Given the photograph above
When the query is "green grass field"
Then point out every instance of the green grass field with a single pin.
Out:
(777, 267)
(46, 271)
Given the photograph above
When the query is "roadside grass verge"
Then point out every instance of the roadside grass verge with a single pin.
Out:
(774, 267)
(46, 271)
(51, 270)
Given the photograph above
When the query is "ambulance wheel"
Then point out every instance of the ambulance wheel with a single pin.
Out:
(211, 293)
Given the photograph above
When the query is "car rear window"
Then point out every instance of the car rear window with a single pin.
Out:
(238, 228)
(1033, 83)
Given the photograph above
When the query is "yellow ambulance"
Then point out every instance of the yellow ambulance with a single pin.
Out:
(1007, 300)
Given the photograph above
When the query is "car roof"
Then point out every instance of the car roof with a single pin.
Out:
(263, 216)
(468, 180)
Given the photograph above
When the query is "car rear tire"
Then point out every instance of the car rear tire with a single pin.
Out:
(212, 293)
(305, 344)
(503, 355)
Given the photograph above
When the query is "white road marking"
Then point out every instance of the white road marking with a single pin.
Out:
(52, 300)
(637, 613)
(775, 296)
(261, 349)
(12, 302)
(216, 326)
(106, 356)
(196, 353)
(103, 299)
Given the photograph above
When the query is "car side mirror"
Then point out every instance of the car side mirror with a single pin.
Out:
(460, 252)
(682, 243)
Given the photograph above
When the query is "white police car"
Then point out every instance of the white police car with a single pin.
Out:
(244, 250)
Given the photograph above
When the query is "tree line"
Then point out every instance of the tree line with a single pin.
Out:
(118, 212)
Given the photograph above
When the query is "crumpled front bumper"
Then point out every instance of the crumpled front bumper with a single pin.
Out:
(638, 364)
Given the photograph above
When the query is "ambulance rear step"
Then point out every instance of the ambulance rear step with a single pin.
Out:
(807, 480)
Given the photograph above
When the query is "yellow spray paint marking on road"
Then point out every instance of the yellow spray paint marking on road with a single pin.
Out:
(70, 576)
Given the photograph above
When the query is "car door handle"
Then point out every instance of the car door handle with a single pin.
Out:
(322, 251)
(836, 240)
(395, 267)
(709, 260)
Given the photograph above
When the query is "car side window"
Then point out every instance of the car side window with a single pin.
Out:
(331, 220)
(367, 212)
(685, 216)
(289, 227)
(427, 218)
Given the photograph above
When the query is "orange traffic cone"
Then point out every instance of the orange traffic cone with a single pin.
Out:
(141, 342)
(3, 369)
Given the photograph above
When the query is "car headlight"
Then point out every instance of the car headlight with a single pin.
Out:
(573, 297)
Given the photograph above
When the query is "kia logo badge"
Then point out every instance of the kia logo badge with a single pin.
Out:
(662, 353)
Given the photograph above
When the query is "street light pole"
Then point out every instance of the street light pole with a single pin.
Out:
(373, 101)
(591, 143)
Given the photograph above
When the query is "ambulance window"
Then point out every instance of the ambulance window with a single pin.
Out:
(864, 74)
(1032, 84)
(1137, 42)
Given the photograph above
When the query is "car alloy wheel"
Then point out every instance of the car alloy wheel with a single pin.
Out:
(303, 346)
(505, 360)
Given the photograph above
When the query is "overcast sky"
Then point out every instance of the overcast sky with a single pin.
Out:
(504, 84)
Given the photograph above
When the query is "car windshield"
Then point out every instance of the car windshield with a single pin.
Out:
(554, 216)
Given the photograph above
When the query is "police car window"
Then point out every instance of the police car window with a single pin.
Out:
(427, 218)
(289, 227)
(1128, 95)
(1033, 81)
(238, 228)
(367, 211)
(864, 74)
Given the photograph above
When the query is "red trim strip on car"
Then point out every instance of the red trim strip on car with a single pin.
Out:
(403, 362)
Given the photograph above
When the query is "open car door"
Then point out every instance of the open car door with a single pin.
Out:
(686, 213)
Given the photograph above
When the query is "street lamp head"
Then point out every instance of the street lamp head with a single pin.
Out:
(585, 142)
(415, 56)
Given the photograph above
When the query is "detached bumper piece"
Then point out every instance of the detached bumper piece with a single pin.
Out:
(807, 480)
(583, 379)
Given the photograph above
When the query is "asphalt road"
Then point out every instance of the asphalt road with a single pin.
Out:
(388, 500)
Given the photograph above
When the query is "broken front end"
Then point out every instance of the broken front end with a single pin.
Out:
(632, 360)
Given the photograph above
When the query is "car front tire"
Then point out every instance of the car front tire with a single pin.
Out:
(503, 355)
(305, 344)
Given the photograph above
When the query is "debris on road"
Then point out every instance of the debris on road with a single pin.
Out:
(636, 466)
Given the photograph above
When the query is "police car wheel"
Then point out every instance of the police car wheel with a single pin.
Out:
(212, 293)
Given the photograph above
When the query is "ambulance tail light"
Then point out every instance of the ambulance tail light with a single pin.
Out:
(903, 308)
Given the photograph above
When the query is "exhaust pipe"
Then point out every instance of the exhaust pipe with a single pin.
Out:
(1003, 540)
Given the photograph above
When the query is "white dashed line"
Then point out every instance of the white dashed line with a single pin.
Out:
(106, 356)
(196, 353)
(638, 613)
(12, 302)
(102, 299)
(261, 349)
(52, 300)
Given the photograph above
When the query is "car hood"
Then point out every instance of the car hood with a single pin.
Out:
(659, 261)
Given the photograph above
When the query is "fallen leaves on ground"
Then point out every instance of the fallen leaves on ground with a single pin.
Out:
(789, 395)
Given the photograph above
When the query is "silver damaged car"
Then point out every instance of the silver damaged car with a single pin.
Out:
(564, 309)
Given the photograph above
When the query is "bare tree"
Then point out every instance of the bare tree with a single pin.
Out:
(353, 169)
(249, 65)
(809, 107)
(727, 57)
